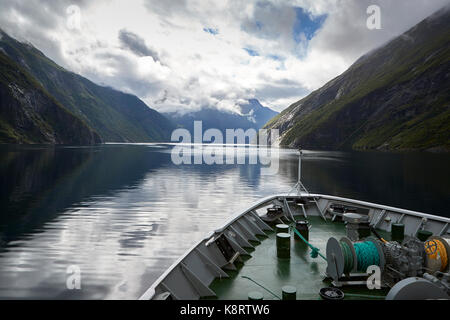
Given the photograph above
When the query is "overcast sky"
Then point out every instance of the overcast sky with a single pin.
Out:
(184, 55)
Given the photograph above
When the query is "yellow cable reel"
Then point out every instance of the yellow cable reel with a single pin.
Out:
(437, 252)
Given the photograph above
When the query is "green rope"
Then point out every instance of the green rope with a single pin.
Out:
(314, 251)
(276, 296)
(348, 257)
(367, 255)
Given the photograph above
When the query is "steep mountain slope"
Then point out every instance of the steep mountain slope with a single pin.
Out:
(396, 97)
(28, 114)
(116, 116)
(252, 115)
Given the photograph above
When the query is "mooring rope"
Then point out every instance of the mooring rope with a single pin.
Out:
(314, 251)
(348, 257)
(366, 255)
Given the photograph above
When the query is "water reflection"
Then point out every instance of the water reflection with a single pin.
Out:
(124, 213)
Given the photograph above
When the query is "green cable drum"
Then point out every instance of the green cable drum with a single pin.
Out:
(349, 253)
(348, 257)
(345, 257)
(283, 245)
(397, 232)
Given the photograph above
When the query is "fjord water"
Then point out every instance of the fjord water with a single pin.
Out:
(123, 213)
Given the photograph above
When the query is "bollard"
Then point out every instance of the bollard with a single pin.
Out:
(255, 295)
(289, 293)
(283, 245)
(303, 228)
(280, 228)
(397, 232)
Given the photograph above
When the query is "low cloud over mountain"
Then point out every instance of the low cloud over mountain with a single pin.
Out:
(186, 55)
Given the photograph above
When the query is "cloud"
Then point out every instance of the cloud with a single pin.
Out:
(344, 36)
(270, 21)
(136, 44)
(166, 8)
(214, 53)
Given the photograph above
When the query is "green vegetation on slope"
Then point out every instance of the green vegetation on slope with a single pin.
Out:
(116, 116)
(396, 97)
(28, 114)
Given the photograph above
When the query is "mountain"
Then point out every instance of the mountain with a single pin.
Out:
(396, 97)
(28, 114)
(256, 113)
(116, 116)
(252, 115)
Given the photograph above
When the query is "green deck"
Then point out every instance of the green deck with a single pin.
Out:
(301, 271)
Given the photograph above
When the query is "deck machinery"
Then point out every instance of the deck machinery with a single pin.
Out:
(412, 267)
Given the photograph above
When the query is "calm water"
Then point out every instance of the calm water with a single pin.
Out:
(124, 213)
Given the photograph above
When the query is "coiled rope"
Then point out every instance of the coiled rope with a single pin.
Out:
(439, 251)
(366, 255)
(348, 257)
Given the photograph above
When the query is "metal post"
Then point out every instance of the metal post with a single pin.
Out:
(300, 185)
(300, 167)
